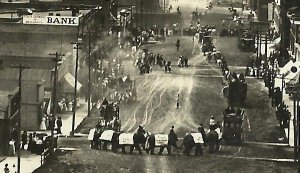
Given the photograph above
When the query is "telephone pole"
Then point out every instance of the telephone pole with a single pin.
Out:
(75, 88)
(89, 83)
(21, 68)
(56, 60)
(142, 4)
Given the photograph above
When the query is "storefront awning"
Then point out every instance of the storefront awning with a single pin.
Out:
(69, 84)
(289, 75)
(286, 70)
(275, 43)
(277, 40)
(294, 80)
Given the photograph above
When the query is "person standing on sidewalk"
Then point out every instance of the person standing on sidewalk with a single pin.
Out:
(51, 122)
(58, 124)
(14, 169)
(6, 169)
(24, 139)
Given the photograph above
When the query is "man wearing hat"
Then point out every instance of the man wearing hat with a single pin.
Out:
(173, 138)
(212, 121)
(202, 131)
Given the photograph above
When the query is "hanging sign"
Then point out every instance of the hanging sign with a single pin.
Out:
(51, 20)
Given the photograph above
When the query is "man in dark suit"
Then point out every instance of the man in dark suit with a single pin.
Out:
(59, 125)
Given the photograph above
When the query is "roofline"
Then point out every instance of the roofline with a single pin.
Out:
(44, 5)
(4, 57)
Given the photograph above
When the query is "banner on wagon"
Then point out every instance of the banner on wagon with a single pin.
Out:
(198, 139)
(107, 135)
(126, 139)
(161, 139)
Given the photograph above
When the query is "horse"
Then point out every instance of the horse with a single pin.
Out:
(212, 139)
(192, 140)
(159, 140)
(122, 140)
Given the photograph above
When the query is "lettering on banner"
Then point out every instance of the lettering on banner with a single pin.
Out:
(161, 139)
(107, 135)
(126, 139)
(198, 139)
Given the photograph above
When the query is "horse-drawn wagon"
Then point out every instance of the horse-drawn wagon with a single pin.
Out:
(235, 90)
(207, 45)
(247, 41)
(232, 127)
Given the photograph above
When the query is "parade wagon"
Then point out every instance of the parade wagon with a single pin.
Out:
(236, 93)
(247, 41)
(232, 128)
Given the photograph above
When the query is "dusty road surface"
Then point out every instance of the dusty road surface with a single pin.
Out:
(199, 88)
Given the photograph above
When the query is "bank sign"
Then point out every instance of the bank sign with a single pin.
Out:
(51, 20)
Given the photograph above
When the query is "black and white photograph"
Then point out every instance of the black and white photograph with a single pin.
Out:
(150, 86)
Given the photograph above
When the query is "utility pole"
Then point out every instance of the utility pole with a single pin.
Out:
(142, 3)
(56, 60)
(266, 44)
(295, 127)
(257, 43)
(89, 84)
(75, 88)
(136, 14)
(260, 39)
(21, 68)
(146, 17)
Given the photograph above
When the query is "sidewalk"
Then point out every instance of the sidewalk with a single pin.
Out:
(67, 119)
(289, 102)
(29, 161)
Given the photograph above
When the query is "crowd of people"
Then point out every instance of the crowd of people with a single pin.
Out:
(283, 115)
(35, 142)
(66, 105)
(235, 87)
(109, 115)
(266, 68)
(146, 60)
(49, 122)
(183, 61)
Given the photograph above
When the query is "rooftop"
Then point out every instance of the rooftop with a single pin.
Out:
(6, 89)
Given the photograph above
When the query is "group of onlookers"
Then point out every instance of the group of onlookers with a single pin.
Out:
(183, 61)
(35, 142)
(49, 122)
(66, 105)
